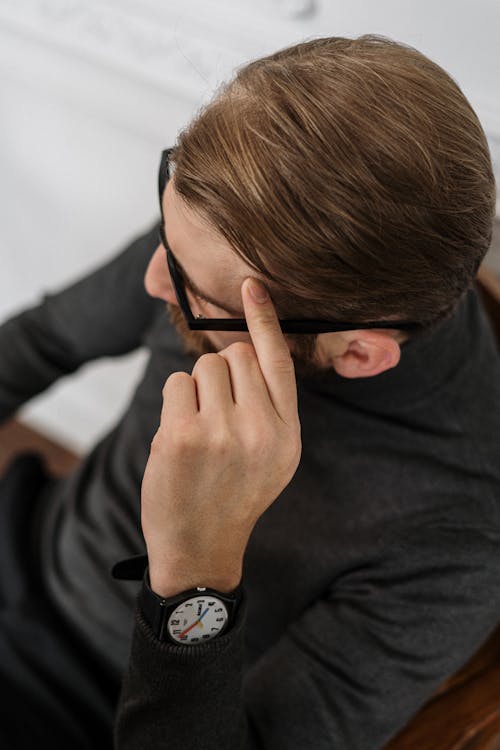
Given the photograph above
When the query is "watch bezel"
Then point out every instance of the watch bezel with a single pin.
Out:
(171, 609)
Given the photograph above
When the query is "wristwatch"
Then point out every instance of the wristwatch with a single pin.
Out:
(191, 617)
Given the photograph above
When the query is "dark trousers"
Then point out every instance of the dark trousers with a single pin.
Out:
(52, 691)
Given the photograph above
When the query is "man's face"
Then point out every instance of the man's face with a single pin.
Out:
(216, 271)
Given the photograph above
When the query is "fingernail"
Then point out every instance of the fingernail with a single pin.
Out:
(258, 291)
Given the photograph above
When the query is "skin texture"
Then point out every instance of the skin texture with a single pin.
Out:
(229, 436)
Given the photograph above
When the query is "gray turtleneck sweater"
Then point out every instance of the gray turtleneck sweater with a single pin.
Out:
(371, 578)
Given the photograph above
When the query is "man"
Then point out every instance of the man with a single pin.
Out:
(319, 496)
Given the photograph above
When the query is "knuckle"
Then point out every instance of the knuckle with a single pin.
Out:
(260, 440)
(243, 349)
(209, 359)
(185, 434)
(221, 440)
(239, 350)
(173, 379)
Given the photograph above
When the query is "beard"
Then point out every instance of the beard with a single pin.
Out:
(302, 346)
(195, 342)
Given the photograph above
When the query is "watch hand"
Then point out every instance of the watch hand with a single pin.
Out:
(196, 622)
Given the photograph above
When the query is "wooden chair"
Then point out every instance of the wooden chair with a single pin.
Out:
(464, 713)
(16, 438)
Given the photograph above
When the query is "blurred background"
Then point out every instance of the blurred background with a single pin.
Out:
(91, 91)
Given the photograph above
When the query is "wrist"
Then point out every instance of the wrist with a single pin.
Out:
(172, 580)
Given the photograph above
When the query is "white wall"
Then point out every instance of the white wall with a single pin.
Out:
(92, 90)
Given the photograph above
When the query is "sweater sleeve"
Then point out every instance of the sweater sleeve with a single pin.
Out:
(348, 674)
(103, 314)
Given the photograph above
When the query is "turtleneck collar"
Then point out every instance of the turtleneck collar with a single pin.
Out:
(427, 360)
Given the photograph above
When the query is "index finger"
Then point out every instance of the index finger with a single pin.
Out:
(272, 350)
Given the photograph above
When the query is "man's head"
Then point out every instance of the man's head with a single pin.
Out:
(352, 177)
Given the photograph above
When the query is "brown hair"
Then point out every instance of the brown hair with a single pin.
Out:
(352, 174)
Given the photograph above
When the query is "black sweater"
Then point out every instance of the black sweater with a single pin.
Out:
(371, 578)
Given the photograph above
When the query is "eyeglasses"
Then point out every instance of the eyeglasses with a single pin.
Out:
(288, 325)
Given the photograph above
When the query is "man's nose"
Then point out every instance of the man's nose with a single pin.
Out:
(157, 280)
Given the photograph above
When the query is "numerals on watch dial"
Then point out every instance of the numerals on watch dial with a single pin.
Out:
(197, 620)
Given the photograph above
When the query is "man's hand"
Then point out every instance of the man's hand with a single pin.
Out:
(228, 444)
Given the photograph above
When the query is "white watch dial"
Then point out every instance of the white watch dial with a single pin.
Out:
(197, 619)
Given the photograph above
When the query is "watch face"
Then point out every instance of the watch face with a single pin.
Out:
(198, 619)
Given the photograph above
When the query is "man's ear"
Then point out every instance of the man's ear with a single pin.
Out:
(368, 353)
